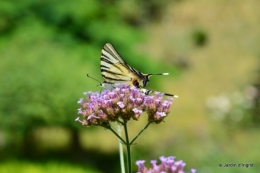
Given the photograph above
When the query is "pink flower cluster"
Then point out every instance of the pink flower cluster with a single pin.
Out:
(122, 103)
(168, 165)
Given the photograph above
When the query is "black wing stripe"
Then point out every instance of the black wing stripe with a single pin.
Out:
(111, 51)
(108, 82)
(106, 60)
(109, 56)
(113, 66)
(113, 79)
(111, 72)
(136, 72)
(103, 66)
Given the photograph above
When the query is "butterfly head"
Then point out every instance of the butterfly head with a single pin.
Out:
(146, 79)
(141, 83)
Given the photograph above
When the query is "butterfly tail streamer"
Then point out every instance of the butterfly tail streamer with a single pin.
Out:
(147, 92)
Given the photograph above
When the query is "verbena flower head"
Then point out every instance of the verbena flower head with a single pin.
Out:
(122, 103)
(168, 165)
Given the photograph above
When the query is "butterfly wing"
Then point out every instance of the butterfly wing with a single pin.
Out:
(114, 69)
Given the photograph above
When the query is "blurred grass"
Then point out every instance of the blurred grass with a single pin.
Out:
(50, 167)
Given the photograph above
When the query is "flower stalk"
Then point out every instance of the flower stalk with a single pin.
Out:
(121, 152)
(128, 149)
(140, 133)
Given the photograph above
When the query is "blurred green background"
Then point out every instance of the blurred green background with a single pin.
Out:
(210, 48)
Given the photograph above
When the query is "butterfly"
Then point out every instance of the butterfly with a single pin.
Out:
(114, 69)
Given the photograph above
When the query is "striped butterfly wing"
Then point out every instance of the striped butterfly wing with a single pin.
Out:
(114, 69)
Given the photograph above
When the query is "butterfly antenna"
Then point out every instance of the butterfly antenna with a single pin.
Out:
(161, 74)
(158, 74)
(100, 84)
(171, 95)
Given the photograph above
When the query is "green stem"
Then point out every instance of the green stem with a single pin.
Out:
(140, 133)
(119, 137)
(120, 122)
(127, 148)
(121, 152)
